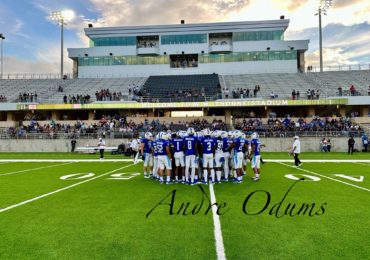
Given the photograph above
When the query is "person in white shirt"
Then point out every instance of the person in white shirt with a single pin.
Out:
(135, 144)
(101, 146)
(296, 150)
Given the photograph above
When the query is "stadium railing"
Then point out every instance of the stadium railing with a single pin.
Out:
(129, 135)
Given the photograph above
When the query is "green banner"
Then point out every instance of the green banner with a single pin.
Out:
(209, 104)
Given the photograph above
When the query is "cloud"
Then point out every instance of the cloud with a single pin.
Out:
(290, 5)
(344, 3)
(14, 65)
(140, 12)
(342, 44)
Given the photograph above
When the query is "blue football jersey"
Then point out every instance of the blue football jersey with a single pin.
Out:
(219, 146)
(257, 147)
(154, 144)
(226, 143)
(161, 146)
(239, 144)
(147, 145)
(190, 142)
(178, 144)
(208, 144)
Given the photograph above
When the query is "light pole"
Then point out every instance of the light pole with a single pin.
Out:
(324, 5)
(2, 37)
(59, 17)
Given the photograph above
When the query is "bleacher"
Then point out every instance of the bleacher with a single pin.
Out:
(334, 79)
(172, 88)
(283, 84)
(47, 89)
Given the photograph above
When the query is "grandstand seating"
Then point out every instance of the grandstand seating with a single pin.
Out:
(334, 79)
(47, 89)
(284, 83)
(160, 88)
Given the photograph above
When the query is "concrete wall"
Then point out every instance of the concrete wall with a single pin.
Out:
(308, 144)
(228, 68)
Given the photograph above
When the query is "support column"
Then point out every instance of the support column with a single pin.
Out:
(364, 111)
(228, 119)
(151, 112)
(311, 111)
(91, 115)
(342, 111)
(55, 115)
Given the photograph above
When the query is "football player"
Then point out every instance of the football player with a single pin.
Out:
(208, 149)
(239, 144)
(255, 156)
(191, 154)
(164, 157)
(155, 157)
(178, 148)
(225, 146)
(219, 155)
(146, 151)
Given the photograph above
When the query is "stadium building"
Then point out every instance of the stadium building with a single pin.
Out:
(222, 48)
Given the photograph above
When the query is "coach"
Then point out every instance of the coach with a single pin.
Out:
(101, 146)
(296, 150)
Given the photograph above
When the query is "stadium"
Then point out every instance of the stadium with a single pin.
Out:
(213, 140)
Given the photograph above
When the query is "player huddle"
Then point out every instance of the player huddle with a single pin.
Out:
(200, 157)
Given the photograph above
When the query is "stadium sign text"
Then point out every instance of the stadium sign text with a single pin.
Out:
(204, 206)
(205, 104)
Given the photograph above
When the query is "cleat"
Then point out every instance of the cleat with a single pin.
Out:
(168, 182)
(300, 164)
(191, 183)
(205, 183)
(146, 176)
(218, 182)
(256, 179)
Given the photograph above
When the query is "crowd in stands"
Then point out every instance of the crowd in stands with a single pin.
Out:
(219, 42)
(241, 92)
(27, 97)
(3, 99)
(107, 95)
(183, 61)
(60, 89)
(78, 99)
(278, 126)
(311, 94)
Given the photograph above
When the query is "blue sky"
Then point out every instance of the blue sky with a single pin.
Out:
(32, 43)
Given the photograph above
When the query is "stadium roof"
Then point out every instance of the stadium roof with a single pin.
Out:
(268, 25)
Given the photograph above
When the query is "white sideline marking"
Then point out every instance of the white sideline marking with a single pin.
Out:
(218, 233)
(318, 161)
(59, 190)
(343, 182)
(33, 169)
(131, 160)
(67, 160)
(362, 163)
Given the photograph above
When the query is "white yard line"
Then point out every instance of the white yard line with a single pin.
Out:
(323, 176)
(220, 249)
(362, 163)
(59, 190)
(33, 169)
(318, 161)
(67, 160)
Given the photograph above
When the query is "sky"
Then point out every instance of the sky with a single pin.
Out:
(32, 43)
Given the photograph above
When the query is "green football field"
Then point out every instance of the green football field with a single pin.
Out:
(70, 206)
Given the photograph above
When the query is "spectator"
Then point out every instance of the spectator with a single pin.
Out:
(340, 91)
(352, 90)
(293, 94)
(351, 145)
(298, 94)
(365, 142)
(368, 91)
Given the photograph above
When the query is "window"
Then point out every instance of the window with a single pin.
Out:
(184, 39)
(113, 41)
